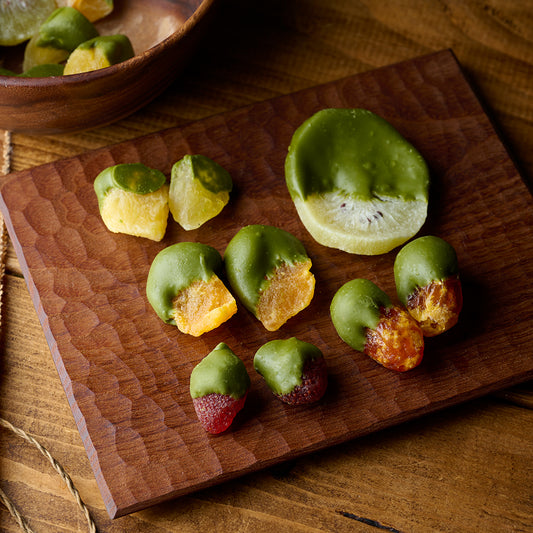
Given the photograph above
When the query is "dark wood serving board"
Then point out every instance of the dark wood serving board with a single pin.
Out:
(126, 374)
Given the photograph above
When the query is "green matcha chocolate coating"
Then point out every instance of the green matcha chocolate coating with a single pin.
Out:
(355, 307)
(43, 71)
(356, 151)
(116, 48)
(130, 177)
(422, 261)
(253, 255)
(65, 29)
(222, 372)
(173, 269)
(281, 363)
(211, 175)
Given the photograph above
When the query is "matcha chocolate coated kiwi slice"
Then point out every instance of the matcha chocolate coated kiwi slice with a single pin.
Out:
(269, 270)
(356, 183)
(184, 289)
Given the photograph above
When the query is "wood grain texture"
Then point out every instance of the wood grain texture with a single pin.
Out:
(466, 468)
(126, 374)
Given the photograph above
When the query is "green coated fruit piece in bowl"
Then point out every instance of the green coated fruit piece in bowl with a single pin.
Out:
(133, 199)
(100, 52)
(365, 319)
(356, 183)
(62, 32)
(426, 273)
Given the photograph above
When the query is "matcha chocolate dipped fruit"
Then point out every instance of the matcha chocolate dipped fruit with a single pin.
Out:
(61, 33)
(294, 370)
(427, 282)
(133, 199)
(219, 385)
(199, 190)
(269, 270)
(366, 320)
(184, 289)
(356, 183)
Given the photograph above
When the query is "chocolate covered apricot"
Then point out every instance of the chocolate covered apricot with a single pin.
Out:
(269, 271)
(185, 290)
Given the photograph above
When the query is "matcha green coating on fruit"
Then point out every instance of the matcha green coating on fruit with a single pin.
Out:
(355, 307)
(422, 261)
(211, 175)
(43, 71)
(116, 48)
(65, 29)
(173, 269)
(130, 177)
(356, 151)
(253, 254)
(222, 372)
(281, 363)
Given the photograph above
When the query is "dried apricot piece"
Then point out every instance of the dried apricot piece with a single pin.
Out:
(184, 289)
(269, 270)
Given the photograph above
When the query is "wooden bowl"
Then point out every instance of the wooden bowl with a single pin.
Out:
(164, 33)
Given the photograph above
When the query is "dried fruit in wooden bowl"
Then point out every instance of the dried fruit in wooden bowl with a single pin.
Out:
(64, 30)
(92, 9)
(356, 183)
(269, 270)
(199, 190)
(219, 385)
(294, 370)
(365, 318)
(20, 20)
(100, 52)
(133, 199)
(184, 288)
(427, 282)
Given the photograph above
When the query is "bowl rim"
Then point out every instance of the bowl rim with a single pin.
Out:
(199, 13)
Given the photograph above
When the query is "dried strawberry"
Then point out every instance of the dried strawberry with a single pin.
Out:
(295, 371)
(219, 386)
(216, 411)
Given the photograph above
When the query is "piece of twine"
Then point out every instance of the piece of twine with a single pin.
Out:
(21, 521)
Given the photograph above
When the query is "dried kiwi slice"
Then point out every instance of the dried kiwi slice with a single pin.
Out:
(20, 20)
(356, 183)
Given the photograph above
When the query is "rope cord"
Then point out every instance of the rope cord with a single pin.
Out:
(6, 165)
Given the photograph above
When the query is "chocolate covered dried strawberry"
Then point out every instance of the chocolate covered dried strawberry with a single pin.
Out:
(366, 320)
(427, 282)
(294, 370)
(219, 385)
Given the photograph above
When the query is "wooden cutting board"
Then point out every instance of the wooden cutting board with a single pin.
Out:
(126, 374)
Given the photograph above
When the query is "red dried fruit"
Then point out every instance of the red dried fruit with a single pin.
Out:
(216, 411)
(313, 386)
(397, 342)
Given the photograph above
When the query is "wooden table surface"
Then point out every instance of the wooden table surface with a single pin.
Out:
(467, 468)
